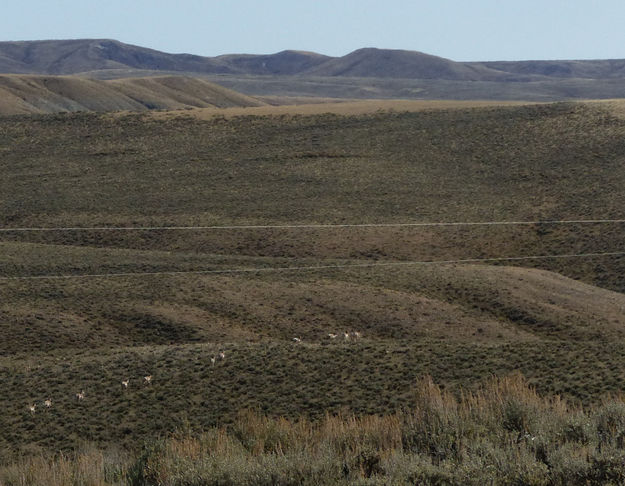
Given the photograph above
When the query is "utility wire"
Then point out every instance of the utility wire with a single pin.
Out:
(316, 267)
(309, 226)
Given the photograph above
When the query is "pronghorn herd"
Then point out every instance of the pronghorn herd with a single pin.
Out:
(346, 336)
(81, 395)
(147, 380)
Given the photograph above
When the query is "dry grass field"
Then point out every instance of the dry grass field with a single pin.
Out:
(312, 106)
(558, 321)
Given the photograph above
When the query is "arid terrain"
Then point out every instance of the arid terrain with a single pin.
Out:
(144, 244)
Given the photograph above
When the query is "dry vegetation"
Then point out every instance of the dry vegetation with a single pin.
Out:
(558, 322)
(311, 106)
(503, 433)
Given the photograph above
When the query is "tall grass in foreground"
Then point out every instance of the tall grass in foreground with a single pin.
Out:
(504, 433)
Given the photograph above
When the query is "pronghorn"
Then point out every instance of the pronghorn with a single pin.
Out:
(32, 408)
(147, 379)
(357, 334)
(125, 383)
(213, 359)
(332, 335)
(48, 403)
(81, 395)
(346, 335)
(297, 340)
(222, 355)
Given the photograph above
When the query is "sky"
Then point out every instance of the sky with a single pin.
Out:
(462, 30)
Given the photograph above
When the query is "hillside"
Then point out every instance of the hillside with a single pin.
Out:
(88, 309)
(387, 63)
(281, 63)
(597, 69)
(78, 55)
(93, 55)
(82, 55)
(367, 73)
(50, 94)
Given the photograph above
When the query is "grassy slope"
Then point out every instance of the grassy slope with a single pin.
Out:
(459, 323)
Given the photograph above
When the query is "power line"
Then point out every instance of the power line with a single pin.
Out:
(309, 226)
(316, 267)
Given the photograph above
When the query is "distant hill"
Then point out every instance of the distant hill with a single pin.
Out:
(87, 55)
(599, 69)
(282, 63)
(386, 63)
(75, 56)
(23, 94)
(365, 73)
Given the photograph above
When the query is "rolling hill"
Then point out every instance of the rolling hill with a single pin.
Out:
(282, 63)
(74, 56)
(22, 94)
(93, 55)
(387, 63)
(84, 309)
(365, 73)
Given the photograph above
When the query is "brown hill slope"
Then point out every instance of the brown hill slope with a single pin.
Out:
(50, 94)
(63, 336)
(459, 323)
(454, 303)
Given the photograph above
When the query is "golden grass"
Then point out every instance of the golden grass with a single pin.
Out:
(339, 107)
